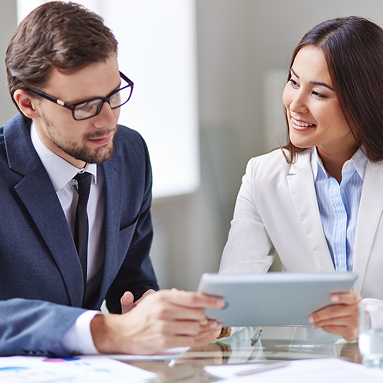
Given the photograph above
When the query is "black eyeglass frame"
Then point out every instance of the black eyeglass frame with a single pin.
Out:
(72, 107)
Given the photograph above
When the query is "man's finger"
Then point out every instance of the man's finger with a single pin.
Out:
(127, 302)
(170, 311)
(192, 299)
(145, 294)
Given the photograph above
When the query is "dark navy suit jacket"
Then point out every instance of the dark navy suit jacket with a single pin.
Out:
(41, 285)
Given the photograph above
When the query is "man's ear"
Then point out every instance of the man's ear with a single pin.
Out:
(26, 103)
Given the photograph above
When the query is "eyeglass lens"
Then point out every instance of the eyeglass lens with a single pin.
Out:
(93, 107)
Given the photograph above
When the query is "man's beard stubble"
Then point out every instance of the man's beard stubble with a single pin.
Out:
(83, 153)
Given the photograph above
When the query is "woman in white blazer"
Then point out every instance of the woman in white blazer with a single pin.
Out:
(318, 201)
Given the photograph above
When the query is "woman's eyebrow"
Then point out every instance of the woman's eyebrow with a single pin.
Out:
(313, 82)
(292, 71)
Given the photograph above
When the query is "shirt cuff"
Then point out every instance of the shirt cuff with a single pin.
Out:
(78, 339)
(225, 333)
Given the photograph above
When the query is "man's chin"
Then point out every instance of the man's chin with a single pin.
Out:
(97, 156)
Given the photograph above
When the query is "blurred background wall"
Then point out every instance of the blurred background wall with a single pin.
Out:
(243, 50)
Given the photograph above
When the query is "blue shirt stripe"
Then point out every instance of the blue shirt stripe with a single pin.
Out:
(338, 206)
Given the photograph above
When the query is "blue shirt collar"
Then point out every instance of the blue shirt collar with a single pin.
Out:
(358, 161)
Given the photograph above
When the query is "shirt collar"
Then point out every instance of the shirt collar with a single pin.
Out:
(60, 171)
(314, 162)
(358, 160)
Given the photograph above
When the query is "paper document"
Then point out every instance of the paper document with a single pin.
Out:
(300, 371)
(95, 369)
(171, 353)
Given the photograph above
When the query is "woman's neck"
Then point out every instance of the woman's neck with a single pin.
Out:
(333, 162)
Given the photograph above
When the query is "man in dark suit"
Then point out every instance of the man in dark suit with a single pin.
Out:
(58, 262)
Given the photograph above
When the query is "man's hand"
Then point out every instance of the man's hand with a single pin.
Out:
(127, 300)
(162, 320)
(208, 332)
(341, 318)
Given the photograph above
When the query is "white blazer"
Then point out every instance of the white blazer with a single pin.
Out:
(277, 213)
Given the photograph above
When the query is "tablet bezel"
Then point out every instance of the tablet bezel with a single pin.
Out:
(278, 298)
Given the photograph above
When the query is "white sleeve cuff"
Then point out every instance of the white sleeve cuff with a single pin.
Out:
(78, 339)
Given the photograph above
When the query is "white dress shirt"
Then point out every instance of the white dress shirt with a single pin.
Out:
(78, 338)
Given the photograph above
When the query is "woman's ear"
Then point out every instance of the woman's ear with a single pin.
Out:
(26, 103)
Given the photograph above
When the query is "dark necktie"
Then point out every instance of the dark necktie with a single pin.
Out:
(81, 221)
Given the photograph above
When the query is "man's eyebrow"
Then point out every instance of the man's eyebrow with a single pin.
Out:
(91, 98)
(313, 82)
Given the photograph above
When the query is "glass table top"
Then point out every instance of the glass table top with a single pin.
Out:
(251, 345)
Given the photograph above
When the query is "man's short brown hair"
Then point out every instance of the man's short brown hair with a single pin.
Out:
(66, 36)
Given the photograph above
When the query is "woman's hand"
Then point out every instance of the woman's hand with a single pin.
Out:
(340, 318)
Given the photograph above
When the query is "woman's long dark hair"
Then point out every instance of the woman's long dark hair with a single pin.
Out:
(353, 49)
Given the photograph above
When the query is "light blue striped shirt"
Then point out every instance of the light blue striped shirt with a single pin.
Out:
(338, 206)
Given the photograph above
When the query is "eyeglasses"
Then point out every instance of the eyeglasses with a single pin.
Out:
(92, 107)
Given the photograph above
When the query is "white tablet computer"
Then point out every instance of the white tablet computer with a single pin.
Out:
(272, 299)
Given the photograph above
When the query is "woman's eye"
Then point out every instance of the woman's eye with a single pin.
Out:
(317, 94)
(293, 83)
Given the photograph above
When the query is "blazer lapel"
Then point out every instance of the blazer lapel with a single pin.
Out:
(302, 190)
(369, 215)
(39, 197)
(113, 200)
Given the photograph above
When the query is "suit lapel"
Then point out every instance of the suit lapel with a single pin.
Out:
(40, 199)
(37, 194)
(113, 200)
(302, 190)
(369, 215)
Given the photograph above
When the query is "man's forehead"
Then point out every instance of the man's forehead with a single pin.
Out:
(95, 80)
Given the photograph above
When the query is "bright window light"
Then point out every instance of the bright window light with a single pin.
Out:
(157, 50)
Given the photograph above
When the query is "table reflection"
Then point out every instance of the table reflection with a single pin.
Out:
(251, 345)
